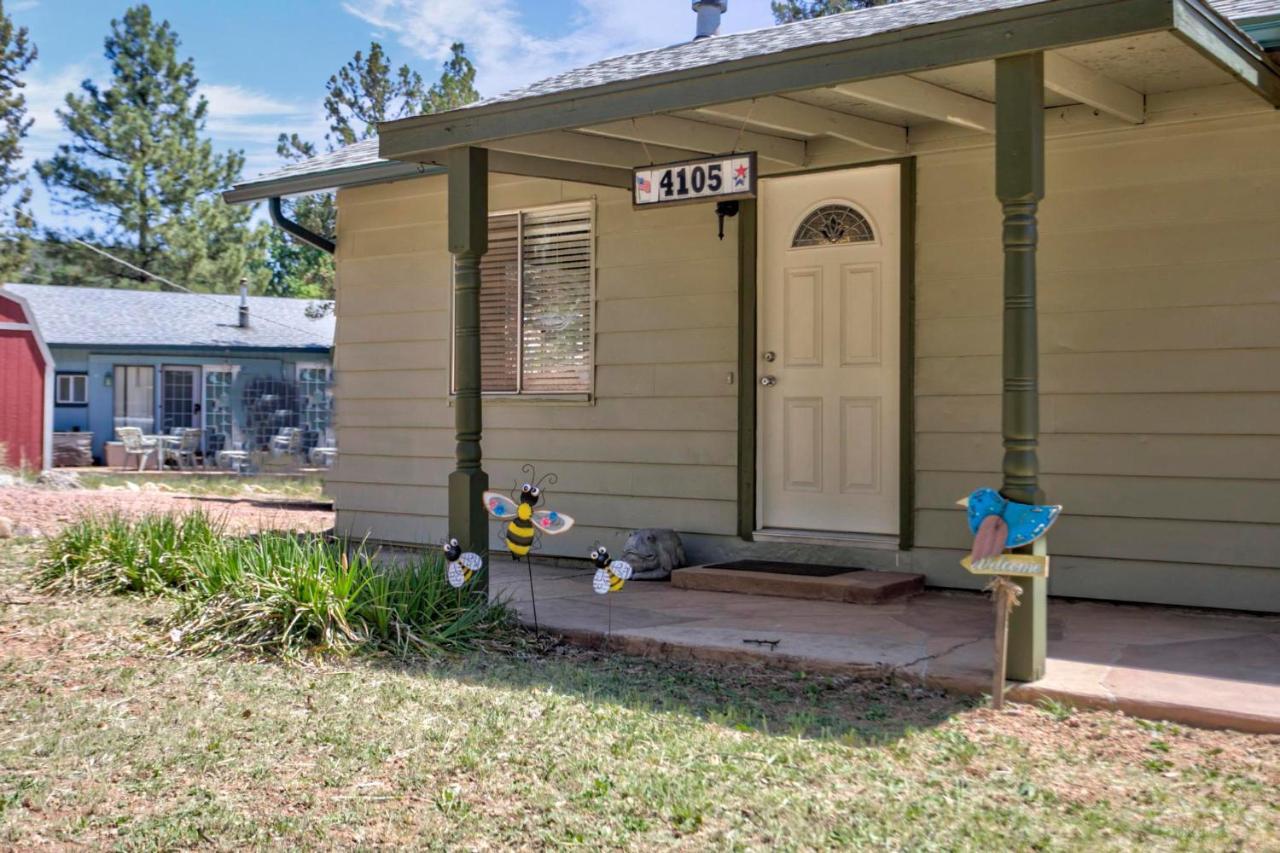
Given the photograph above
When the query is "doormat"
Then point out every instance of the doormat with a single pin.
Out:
(777, 568)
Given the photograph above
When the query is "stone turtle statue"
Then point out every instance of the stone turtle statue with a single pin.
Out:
(653, 553)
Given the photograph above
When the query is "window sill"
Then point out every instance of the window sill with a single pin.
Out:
(534, 399)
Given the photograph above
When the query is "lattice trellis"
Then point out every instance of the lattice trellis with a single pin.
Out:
(833, 224)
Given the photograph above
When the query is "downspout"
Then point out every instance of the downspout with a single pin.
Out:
(287, 225)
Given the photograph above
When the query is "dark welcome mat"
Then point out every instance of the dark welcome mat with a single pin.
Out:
(806, 569)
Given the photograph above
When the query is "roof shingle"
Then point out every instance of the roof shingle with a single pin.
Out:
(92, 316)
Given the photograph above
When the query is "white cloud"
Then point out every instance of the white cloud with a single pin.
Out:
(508, 54)
(45, 95)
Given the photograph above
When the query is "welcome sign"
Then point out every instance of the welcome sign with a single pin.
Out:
(1013, 565)
(727, 177)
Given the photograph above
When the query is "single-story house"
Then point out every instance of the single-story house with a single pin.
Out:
(1030, 244)
(238, 367)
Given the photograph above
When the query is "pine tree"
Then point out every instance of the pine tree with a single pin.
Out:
(362, 93)
(786, 11)
(138, 164)
(16, 55)
(365, 92)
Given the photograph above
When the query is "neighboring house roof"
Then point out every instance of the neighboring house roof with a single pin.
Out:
(360, 163)
(92, 316)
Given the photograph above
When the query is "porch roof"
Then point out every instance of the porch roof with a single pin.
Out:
(785, 89)
(811, 93)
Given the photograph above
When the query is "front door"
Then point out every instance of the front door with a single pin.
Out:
(829, 335)
(179, 394)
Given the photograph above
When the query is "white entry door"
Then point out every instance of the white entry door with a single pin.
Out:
(829, 294)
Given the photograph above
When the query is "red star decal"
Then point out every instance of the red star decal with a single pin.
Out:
(742, 172)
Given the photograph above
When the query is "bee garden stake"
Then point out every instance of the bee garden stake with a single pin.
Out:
(462, 565)
(524, 523)
(611, 574)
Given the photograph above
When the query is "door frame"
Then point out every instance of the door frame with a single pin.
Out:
(749, 272)
(197, 390)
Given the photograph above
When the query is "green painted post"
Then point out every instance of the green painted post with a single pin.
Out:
(747, 361)
(468, 241)
(1020, 186)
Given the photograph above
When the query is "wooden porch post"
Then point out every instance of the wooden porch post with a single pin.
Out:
(1020, 186)
(468, 241)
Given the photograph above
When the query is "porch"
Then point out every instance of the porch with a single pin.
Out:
(1198, 667)
(882, 87)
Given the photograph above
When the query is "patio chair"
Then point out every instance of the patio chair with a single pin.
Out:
(233, 457)
(135, 444)
(183, 451)
(286, 446)
(322, 457)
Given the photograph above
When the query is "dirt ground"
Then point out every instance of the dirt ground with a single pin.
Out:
(41, 511)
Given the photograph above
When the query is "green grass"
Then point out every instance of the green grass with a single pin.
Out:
(279, 486)
(110, 740)
(272, 592)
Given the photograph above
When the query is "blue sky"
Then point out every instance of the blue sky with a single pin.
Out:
(263, 63)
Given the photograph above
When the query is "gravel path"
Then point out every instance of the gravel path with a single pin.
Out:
(47, 511)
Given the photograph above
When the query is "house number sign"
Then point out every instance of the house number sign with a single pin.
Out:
(729, 176)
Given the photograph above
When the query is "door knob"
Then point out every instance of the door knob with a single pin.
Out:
(768, 380)
(770, 356)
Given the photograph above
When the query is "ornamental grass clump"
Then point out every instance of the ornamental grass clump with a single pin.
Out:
(278, 593)
(114, 554)
(287, 595)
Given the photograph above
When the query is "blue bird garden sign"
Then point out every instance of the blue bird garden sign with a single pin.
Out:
(998, 525)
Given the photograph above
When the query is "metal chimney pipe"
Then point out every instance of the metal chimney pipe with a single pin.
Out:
(244, 303)
(709, 12)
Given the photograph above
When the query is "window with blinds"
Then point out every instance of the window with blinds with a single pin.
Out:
(535, 302)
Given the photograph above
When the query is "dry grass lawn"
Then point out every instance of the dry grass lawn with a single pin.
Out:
(108, 740)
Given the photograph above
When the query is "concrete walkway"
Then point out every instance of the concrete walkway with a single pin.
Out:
(1205, 668)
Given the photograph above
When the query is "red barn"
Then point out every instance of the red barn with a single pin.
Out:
(26, 387)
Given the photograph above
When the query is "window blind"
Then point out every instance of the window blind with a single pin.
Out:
(556, 316)
(500, 306)
(535, 302)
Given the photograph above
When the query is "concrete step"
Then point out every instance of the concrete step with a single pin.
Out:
(855, 587)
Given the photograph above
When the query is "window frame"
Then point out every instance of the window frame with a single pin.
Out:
(519, 395)
(58, 399)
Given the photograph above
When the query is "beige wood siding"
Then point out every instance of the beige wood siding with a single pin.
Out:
(1160, 358)
(655, 447)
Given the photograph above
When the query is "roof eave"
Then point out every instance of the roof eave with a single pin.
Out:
(1227, 45)
(332, 179)
(974, 38)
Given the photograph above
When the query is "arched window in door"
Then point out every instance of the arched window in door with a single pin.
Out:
(833, 224)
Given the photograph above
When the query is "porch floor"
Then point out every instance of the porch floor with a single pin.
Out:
(1205, 668)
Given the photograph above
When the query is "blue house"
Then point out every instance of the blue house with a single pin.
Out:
(239, 367)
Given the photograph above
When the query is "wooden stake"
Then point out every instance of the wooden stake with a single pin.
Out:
(1004, 594)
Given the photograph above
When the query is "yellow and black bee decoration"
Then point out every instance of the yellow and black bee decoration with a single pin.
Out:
(524, 522)
(611, 574)
(462, 564)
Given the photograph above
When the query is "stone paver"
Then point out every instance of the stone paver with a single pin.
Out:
(1202, 668)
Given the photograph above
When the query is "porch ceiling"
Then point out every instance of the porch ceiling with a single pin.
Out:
(1179, 45)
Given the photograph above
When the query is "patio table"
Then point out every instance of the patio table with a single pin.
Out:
(159, 442)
